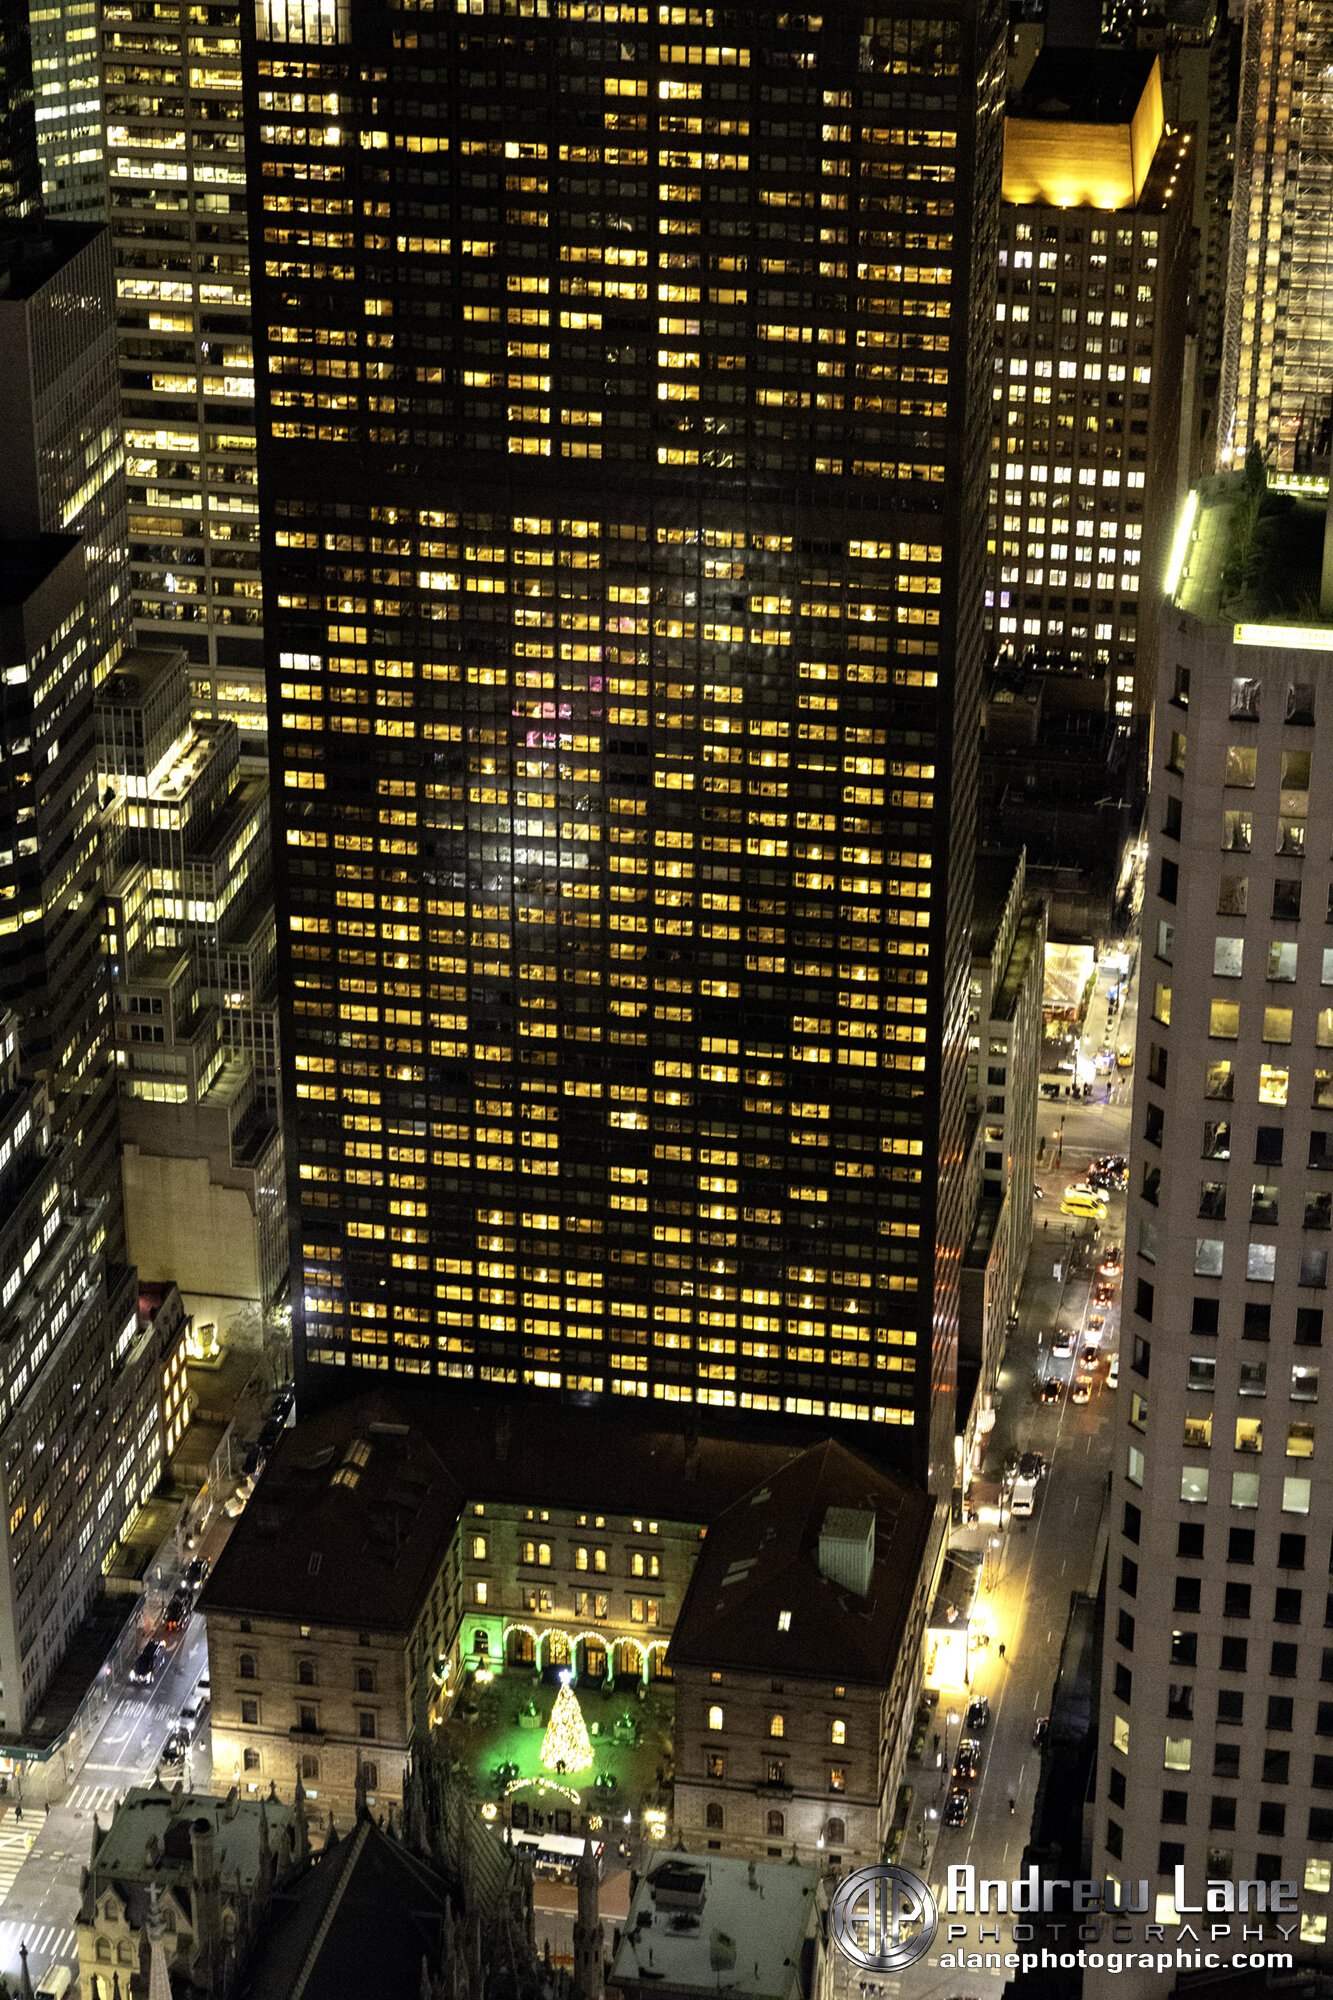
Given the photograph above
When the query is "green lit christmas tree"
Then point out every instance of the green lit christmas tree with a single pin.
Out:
(565, 1746)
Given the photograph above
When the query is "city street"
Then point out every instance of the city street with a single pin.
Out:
(41, 1854)
(1027, 1580)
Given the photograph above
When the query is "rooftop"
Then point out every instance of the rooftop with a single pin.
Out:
(26, 565)
(149, 1838)
(1245, 557)
(758, 1598)
(1087, 130)
(361, 1919)
(330, 1533)
(1084, 86)
(699, 1922)
(32, 253)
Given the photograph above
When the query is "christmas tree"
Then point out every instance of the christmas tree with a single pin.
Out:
(565, 1746)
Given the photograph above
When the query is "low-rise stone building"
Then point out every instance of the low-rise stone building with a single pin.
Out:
(385, 1566)
(797, 1662)
(197, 1870)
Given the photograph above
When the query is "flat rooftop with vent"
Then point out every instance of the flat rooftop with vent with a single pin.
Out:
(705, 1923)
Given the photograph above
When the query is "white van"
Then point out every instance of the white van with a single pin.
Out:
(1113, 1373)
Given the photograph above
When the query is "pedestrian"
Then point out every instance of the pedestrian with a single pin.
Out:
(936, 1744)
(18, 1812)
(1001, 1649)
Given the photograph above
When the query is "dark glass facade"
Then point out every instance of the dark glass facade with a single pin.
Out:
(622, 507)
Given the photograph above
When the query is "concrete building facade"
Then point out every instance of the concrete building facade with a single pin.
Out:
(1216, 1747)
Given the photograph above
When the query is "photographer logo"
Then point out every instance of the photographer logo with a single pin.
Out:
(883, 1918)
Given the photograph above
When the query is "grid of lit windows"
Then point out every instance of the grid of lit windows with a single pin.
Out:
(1087, 362)
(623, 944)
(1275, 376)
(177, 210)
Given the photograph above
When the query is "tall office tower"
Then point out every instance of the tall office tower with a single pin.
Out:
(1094, 279)
(1215, 1711)
(60, 438)
(62, 555)
(172, 81)
(622, 488)
(83, 1423)
(20, 175)
(190, 939)
(68, 108)
(1277, 364)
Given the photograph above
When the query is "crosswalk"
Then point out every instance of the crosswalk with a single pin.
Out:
(14, 1849)
(44, 1941)
(99, 1799)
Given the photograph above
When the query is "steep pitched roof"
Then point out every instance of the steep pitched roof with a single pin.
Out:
(359, 1920)
(758, 1598)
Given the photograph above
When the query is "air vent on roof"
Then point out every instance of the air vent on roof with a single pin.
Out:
(390, 1430)
(847, 1548)
(312, 1567)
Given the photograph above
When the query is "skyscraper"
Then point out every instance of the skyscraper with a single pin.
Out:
(622, 490)
(1215, 1714)
(20, 175)
(1277, 359)
(176, 174)
(62, 524)
(1094, 283)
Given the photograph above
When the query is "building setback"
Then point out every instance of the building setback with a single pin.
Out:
(622, 492)
(1094, 283)
(189, 925)
(1215, 1717)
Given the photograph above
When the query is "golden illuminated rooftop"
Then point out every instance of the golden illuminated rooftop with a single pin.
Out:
(1084, 130)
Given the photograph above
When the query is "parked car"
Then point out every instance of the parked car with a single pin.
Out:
(236, 1505)
(254, 1459)
(145, 1668)
(1113, 1372)
(967, 1764)
(978, 1715)
(174, 1748)
(193, 1711)
(1041, 1731)
(196, 1573)
(281, 1404)
(178, 1611)
(957, 1807)
(270, 1434)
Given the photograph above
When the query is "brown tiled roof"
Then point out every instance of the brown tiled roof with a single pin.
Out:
(761, 1562)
